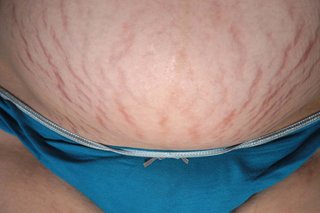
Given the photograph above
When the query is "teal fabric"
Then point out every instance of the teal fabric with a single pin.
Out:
(118, 183)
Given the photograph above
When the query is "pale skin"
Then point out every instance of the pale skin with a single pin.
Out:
(164, 75)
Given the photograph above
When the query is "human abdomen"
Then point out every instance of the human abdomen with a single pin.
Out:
(170, 75)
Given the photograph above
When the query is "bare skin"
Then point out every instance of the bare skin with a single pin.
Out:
(27, 186)
(164, 75)
(171, 75)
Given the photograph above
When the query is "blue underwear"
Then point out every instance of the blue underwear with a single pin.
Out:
(122, 179)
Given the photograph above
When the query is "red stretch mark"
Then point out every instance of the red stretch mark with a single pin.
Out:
(63, 14)
(304, 80)
(101, 116)
(24, 40)
(72, 125)
(60, 82)
(298, 34)
(44, 15)
(59, 46)
(82, 95)
(242, 52)
(27, 51)
(72, 72)
(121, 109)
(194, 133)
(24, 63)
(14, 14)
(56, 41)
(252, 90)
(310, 46)
(163, 122)
(284, 60)
(226, 120)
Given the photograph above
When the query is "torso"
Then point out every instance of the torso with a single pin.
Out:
(161, 86)
(121, 90)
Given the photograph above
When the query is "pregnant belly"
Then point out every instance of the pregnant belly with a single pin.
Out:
(171, 75)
